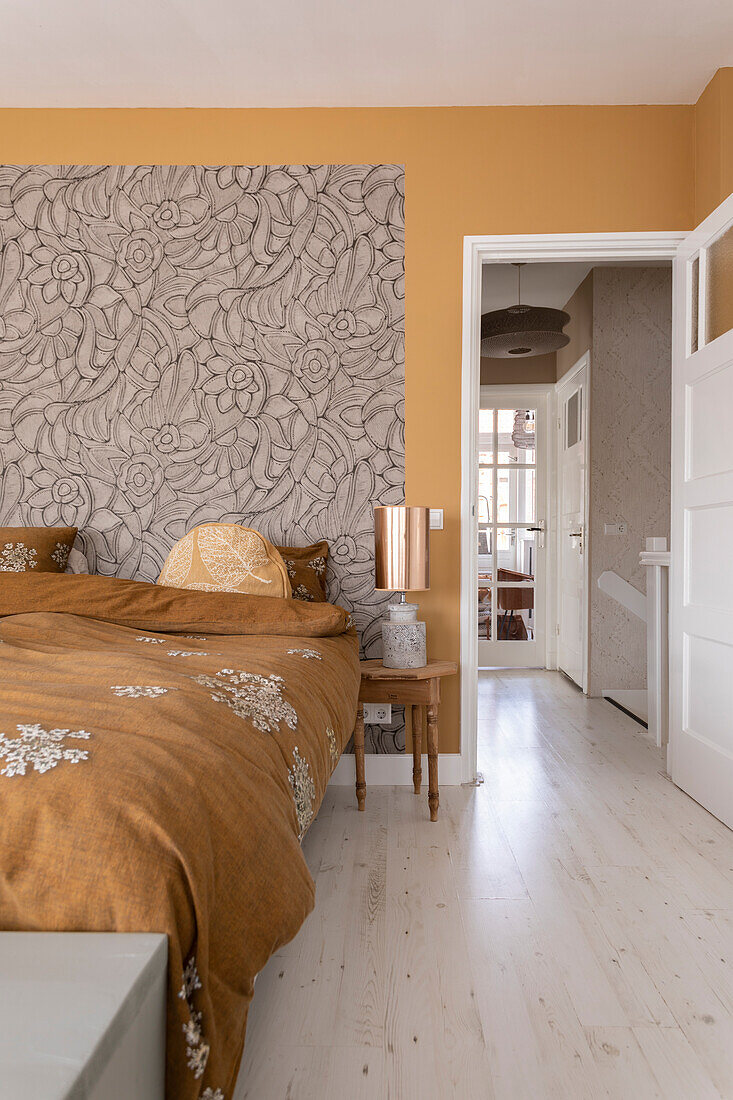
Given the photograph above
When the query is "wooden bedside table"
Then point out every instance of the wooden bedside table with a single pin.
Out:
(417, 687)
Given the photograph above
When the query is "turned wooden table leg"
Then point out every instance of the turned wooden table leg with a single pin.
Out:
(433, 796)
(417, 748)
(359, 757)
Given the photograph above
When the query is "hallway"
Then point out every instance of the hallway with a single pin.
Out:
(564, 930)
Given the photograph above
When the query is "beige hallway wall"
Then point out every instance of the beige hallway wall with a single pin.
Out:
(629, 455)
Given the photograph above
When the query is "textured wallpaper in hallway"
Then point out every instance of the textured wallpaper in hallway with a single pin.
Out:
(191, 343)
(631, 374)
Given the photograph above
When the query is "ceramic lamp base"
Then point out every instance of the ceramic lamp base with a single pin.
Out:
(403, 638)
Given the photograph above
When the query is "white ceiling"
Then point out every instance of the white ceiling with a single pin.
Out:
(359, 52)
(542, 284)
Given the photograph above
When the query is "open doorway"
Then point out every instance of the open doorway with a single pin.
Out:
(572, 518)
(555, 631)
(518, 462)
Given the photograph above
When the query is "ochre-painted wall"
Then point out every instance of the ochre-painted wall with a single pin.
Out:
(469, 171)
(518, 372)
(579, 328)
(714, 144)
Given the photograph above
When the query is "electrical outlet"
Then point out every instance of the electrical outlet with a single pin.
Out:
(377, 714)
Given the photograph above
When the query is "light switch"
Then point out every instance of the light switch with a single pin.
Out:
(436, 519)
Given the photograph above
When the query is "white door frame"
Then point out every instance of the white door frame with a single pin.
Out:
(542, 394)
(546, 247)
(583, 364)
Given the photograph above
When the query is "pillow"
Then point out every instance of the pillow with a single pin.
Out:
(223, 557)
(306, 566)
(145, 606)
(77, 562)
(43, 549)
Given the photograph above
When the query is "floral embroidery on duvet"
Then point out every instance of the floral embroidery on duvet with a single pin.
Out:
(332, 746)
(39, 749)
(307, 654)
(304, 792)
(197, 1050)
(249, 695)
(138, 691)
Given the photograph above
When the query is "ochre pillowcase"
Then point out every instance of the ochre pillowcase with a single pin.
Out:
(41, 549)
(306, 566)
(145, 606)
(223, 557)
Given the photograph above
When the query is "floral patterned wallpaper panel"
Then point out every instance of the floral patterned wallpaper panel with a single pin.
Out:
(189, 343)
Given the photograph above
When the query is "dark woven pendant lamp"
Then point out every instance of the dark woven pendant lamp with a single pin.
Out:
(521, 330)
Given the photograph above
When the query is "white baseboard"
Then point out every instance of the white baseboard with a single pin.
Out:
(632, 699)
(395, 770)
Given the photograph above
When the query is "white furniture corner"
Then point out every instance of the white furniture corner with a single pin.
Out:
(82, 1015)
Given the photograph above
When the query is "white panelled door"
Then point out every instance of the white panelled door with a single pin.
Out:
(701, 577)
(572, 553)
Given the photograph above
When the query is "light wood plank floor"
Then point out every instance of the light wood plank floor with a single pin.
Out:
(565, 930)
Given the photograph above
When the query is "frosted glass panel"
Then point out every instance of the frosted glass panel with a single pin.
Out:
(719, 287)
(694, 292)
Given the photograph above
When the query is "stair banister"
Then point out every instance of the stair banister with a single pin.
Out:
(655, 558)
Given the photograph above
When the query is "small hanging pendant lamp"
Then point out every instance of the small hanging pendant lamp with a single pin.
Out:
(522, 330)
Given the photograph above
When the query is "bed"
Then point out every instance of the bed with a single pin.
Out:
(162, 754)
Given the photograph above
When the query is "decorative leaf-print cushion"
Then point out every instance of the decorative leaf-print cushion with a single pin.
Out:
(306, 566)
(223, 557)
(37, 549)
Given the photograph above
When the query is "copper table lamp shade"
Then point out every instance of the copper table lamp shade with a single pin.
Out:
(402, 564)
(402, 548)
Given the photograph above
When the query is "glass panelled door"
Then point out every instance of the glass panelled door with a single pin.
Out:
(511, 535)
